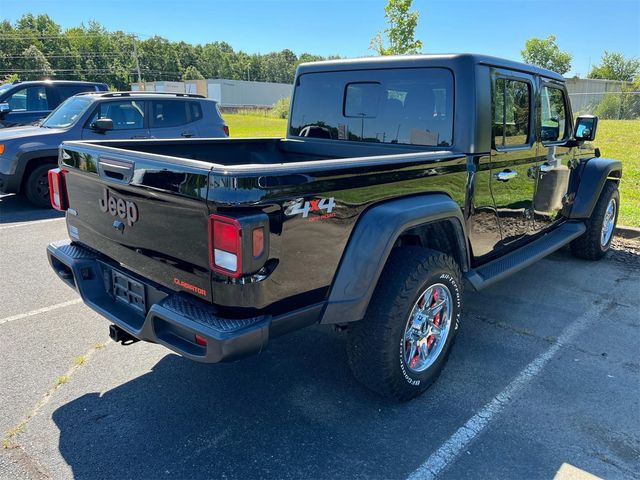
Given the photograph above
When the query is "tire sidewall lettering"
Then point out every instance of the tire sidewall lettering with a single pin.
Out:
(455, 291)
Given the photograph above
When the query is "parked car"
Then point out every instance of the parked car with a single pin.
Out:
(28, 153)
(23, 103)
(400, 179)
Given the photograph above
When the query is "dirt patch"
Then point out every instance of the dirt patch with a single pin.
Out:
(626, 252)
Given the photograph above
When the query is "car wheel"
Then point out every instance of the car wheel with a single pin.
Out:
(36, 186)
(402, 344)
(596, 241)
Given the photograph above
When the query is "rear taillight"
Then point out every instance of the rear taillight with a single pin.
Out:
(58, 189)
(225, 240)
(226, 130)
(238, 245)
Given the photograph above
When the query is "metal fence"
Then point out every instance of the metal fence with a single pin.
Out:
(609, 99)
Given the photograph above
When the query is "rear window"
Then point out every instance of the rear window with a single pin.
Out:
(409, 106)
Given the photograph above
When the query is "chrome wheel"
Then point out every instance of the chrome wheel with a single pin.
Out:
(608, 223)
(427, 328)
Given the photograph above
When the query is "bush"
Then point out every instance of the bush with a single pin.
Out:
(609, 107)
(630, 100)
(281, 108)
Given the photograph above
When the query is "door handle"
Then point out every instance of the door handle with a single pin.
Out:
(505, 175)
(186, 134)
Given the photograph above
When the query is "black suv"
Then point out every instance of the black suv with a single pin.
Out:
(22, 103)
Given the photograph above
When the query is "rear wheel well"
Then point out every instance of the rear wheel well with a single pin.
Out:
(33, 164)
(443, 236)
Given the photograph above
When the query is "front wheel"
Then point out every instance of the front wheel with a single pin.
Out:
(596, 241)
(402, 344)
(36, 186)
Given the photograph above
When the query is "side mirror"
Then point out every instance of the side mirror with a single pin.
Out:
(102, 124)
(585, 129)
(4, 109)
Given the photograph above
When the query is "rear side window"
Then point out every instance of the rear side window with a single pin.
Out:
(168, 113)
(195, 110)
(511, 112)
(66, 91)
(411, 107)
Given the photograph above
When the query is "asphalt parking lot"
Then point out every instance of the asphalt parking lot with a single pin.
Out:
(545, 373)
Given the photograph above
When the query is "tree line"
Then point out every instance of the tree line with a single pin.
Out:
(36, 47)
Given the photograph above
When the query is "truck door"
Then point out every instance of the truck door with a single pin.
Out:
(554, 129)
(513, 153)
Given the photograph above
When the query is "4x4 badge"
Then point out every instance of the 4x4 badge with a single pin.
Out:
(115, 206)
(300, 206)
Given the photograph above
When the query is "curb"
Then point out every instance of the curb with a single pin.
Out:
(627, 232)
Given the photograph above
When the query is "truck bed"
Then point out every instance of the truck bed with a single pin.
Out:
(177, 184)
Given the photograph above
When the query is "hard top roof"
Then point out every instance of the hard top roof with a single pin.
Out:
(407, 61)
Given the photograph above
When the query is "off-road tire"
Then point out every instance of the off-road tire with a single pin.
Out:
(34, 190)
(375, 348)
(588, 245)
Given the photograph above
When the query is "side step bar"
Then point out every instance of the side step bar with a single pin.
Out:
(492, 272)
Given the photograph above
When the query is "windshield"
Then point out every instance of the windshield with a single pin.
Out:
(5, 87)
(67, 113)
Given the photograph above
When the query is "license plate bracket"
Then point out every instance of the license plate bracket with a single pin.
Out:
(128, 291)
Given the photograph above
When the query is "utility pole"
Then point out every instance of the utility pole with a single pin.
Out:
(135, 56)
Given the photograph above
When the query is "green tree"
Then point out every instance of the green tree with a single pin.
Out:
(400, 32)
(615, 66)
(192, 73)
(545, 53)
(35, 65)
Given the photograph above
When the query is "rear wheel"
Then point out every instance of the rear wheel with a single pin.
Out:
(596, 241)
(36, 186)
(402, 344)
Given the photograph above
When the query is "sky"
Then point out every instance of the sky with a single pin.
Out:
(585, 28)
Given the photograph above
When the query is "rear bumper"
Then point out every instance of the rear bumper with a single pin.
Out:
(169, 318)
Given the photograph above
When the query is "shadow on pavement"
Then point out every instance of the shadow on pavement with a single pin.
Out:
(293, 411)
(16, 208)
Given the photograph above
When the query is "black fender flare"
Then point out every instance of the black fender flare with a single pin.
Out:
(595, 173)
(371, 242)
(25, 158)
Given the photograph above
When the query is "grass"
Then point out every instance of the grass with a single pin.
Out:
(255, 125)
(617, 139)
(620, 139)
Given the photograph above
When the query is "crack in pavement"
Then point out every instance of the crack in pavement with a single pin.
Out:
(9, 443)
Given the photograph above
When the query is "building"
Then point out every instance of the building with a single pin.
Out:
(228, 93)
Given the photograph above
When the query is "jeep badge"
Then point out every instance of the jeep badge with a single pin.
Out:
(124, 209)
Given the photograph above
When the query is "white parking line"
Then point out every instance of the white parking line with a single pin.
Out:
(40, 310)
(23, 224)
(447, 453)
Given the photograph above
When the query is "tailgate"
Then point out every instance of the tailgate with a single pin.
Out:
(147, 212)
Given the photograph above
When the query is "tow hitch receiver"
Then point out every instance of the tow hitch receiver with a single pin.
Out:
(119, 335)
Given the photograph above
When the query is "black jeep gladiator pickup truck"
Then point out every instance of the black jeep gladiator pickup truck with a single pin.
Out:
(400, 178)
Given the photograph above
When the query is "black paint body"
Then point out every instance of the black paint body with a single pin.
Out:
(384, 196)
